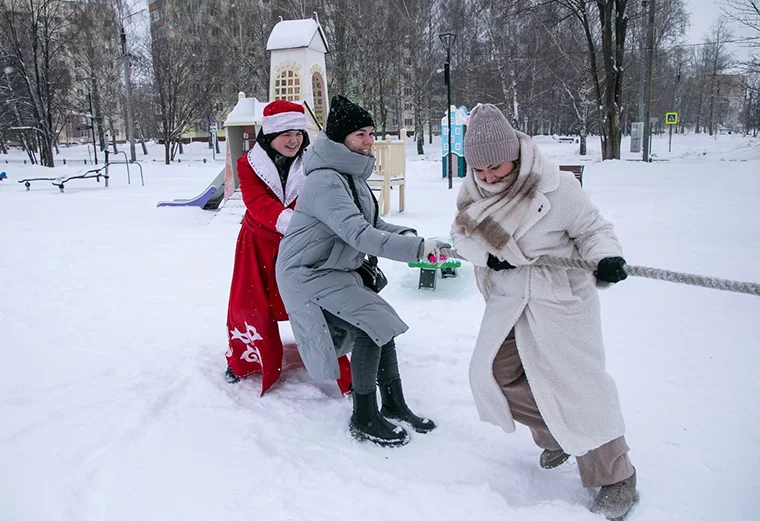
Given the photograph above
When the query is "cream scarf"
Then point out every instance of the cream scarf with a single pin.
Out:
(493, 212)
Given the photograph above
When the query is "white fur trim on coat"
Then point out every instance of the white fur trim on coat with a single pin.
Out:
(284, 220)
(284, 121)
(267, 172)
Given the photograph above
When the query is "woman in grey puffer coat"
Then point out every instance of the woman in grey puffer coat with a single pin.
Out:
(330, 310)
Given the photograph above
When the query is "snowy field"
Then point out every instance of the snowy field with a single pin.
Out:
(112, 340)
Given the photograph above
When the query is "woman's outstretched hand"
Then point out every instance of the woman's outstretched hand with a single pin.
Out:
(431, 250)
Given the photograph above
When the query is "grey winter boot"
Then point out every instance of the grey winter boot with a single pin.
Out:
(615, 501)
(395, 407)
(551, 459)
(368, 424)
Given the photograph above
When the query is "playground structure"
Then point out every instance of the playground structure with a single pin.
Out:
(429, 271)
(459, 118)
(3, 176)
(297, 74)
(390, 171)
(208, 199)
(94, 173)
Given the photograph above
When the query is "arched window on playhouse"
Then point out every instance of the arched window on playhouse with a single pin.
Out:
(318, 90)
(287, 86)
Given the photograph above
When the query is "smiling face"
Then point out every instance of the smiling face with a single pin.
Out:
(494, 173)
(288, 143)
(361, 141)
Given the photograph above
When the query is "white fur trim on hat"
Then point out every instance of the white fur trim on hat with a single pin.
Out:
(284, 121)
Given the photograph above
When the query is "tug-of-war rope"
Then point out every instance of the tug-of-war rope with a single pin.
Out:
(749, 288)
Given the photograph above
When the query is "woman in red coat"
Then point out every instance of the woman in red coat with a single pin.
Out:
(270, 176)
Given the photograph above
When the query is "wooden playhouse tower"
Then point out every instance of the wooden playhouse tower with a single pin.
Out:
(297, 73)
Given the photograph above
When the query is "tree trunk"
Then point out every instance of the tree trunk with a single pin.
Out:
(167, 152)
(711, 109)
(430, 121)
(142, 142)
(419, 127)
(584, 130)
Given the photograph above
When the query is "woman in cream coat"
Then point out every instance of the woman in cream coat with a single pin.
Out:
(539, 358)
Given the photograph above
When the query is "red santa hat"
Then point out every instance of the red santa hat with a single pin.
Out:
(281, 115)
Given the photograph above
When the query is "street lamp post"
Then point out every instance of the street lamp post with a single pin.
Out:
(128, 86)
(647, 141)
(447, 39)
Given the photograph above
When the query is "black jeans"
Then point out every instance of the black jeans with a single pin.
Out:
(370, 364)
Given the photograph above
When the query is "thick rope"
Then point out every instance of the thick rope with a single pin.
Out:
(749, 288)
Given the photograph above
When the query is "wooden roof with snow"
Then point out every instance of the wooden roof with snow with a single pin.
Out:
(297, 34)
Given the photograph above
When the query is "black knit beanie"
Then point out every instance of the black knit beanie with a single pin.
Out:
(346, 117)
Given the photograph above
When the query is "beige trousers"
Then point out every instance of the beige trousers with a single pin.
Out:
(605, 465)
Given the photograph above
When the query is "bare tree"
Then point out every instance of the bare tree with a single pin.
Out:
(97, 64)
(716, 60)
(747, 14)
(243, 35)
(574, 77)
(752, 105)
(36, 37)
(185, 70)
(604, 25)
(414, 18)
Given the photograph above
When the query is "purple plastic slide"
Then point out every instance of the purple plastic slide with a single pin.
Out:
(199, 201)
(208, 199)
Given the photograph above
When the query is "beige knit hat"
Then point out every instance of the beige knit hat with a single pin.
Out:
(490, 139)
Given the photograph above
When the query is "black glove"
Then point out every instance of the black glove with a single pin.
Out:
(497, 265)
(610, 269)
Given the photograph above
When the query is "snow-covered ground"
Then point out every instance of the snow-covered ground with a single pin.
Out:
(112, 341)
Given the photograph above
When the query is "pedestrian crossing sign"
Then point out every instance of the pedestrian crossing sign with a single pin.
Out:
(671, 118)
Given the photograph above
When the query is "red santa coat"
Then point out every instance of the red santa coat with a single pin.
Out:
(255, 304)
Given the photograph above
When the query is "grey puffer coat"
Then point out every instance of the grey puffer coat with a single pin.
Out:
(324, 245)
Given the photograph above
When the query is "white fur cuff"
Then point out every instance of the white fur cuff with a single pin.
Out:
(284, 220)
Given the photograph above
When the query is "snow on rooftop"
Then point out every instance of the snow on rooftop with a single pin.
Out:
(292, 34)
(247, 111)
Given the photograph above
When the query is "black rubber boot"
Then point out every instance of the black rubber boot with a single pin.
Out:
(231, 377)
(395, 407)
(368, 424)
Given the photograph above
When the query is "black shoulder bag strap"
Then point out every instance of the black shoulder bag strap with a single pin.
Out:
(352, 186)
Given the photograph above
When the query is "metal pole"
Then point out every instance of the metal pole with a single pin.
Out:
(637, 127)
(92, 126)
(127, 93)
(648, 85)
(642, 52)
(447, 75)
(670, 139)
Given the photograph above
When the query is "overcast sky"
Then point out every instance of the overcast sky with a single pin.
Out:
(704, 13)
